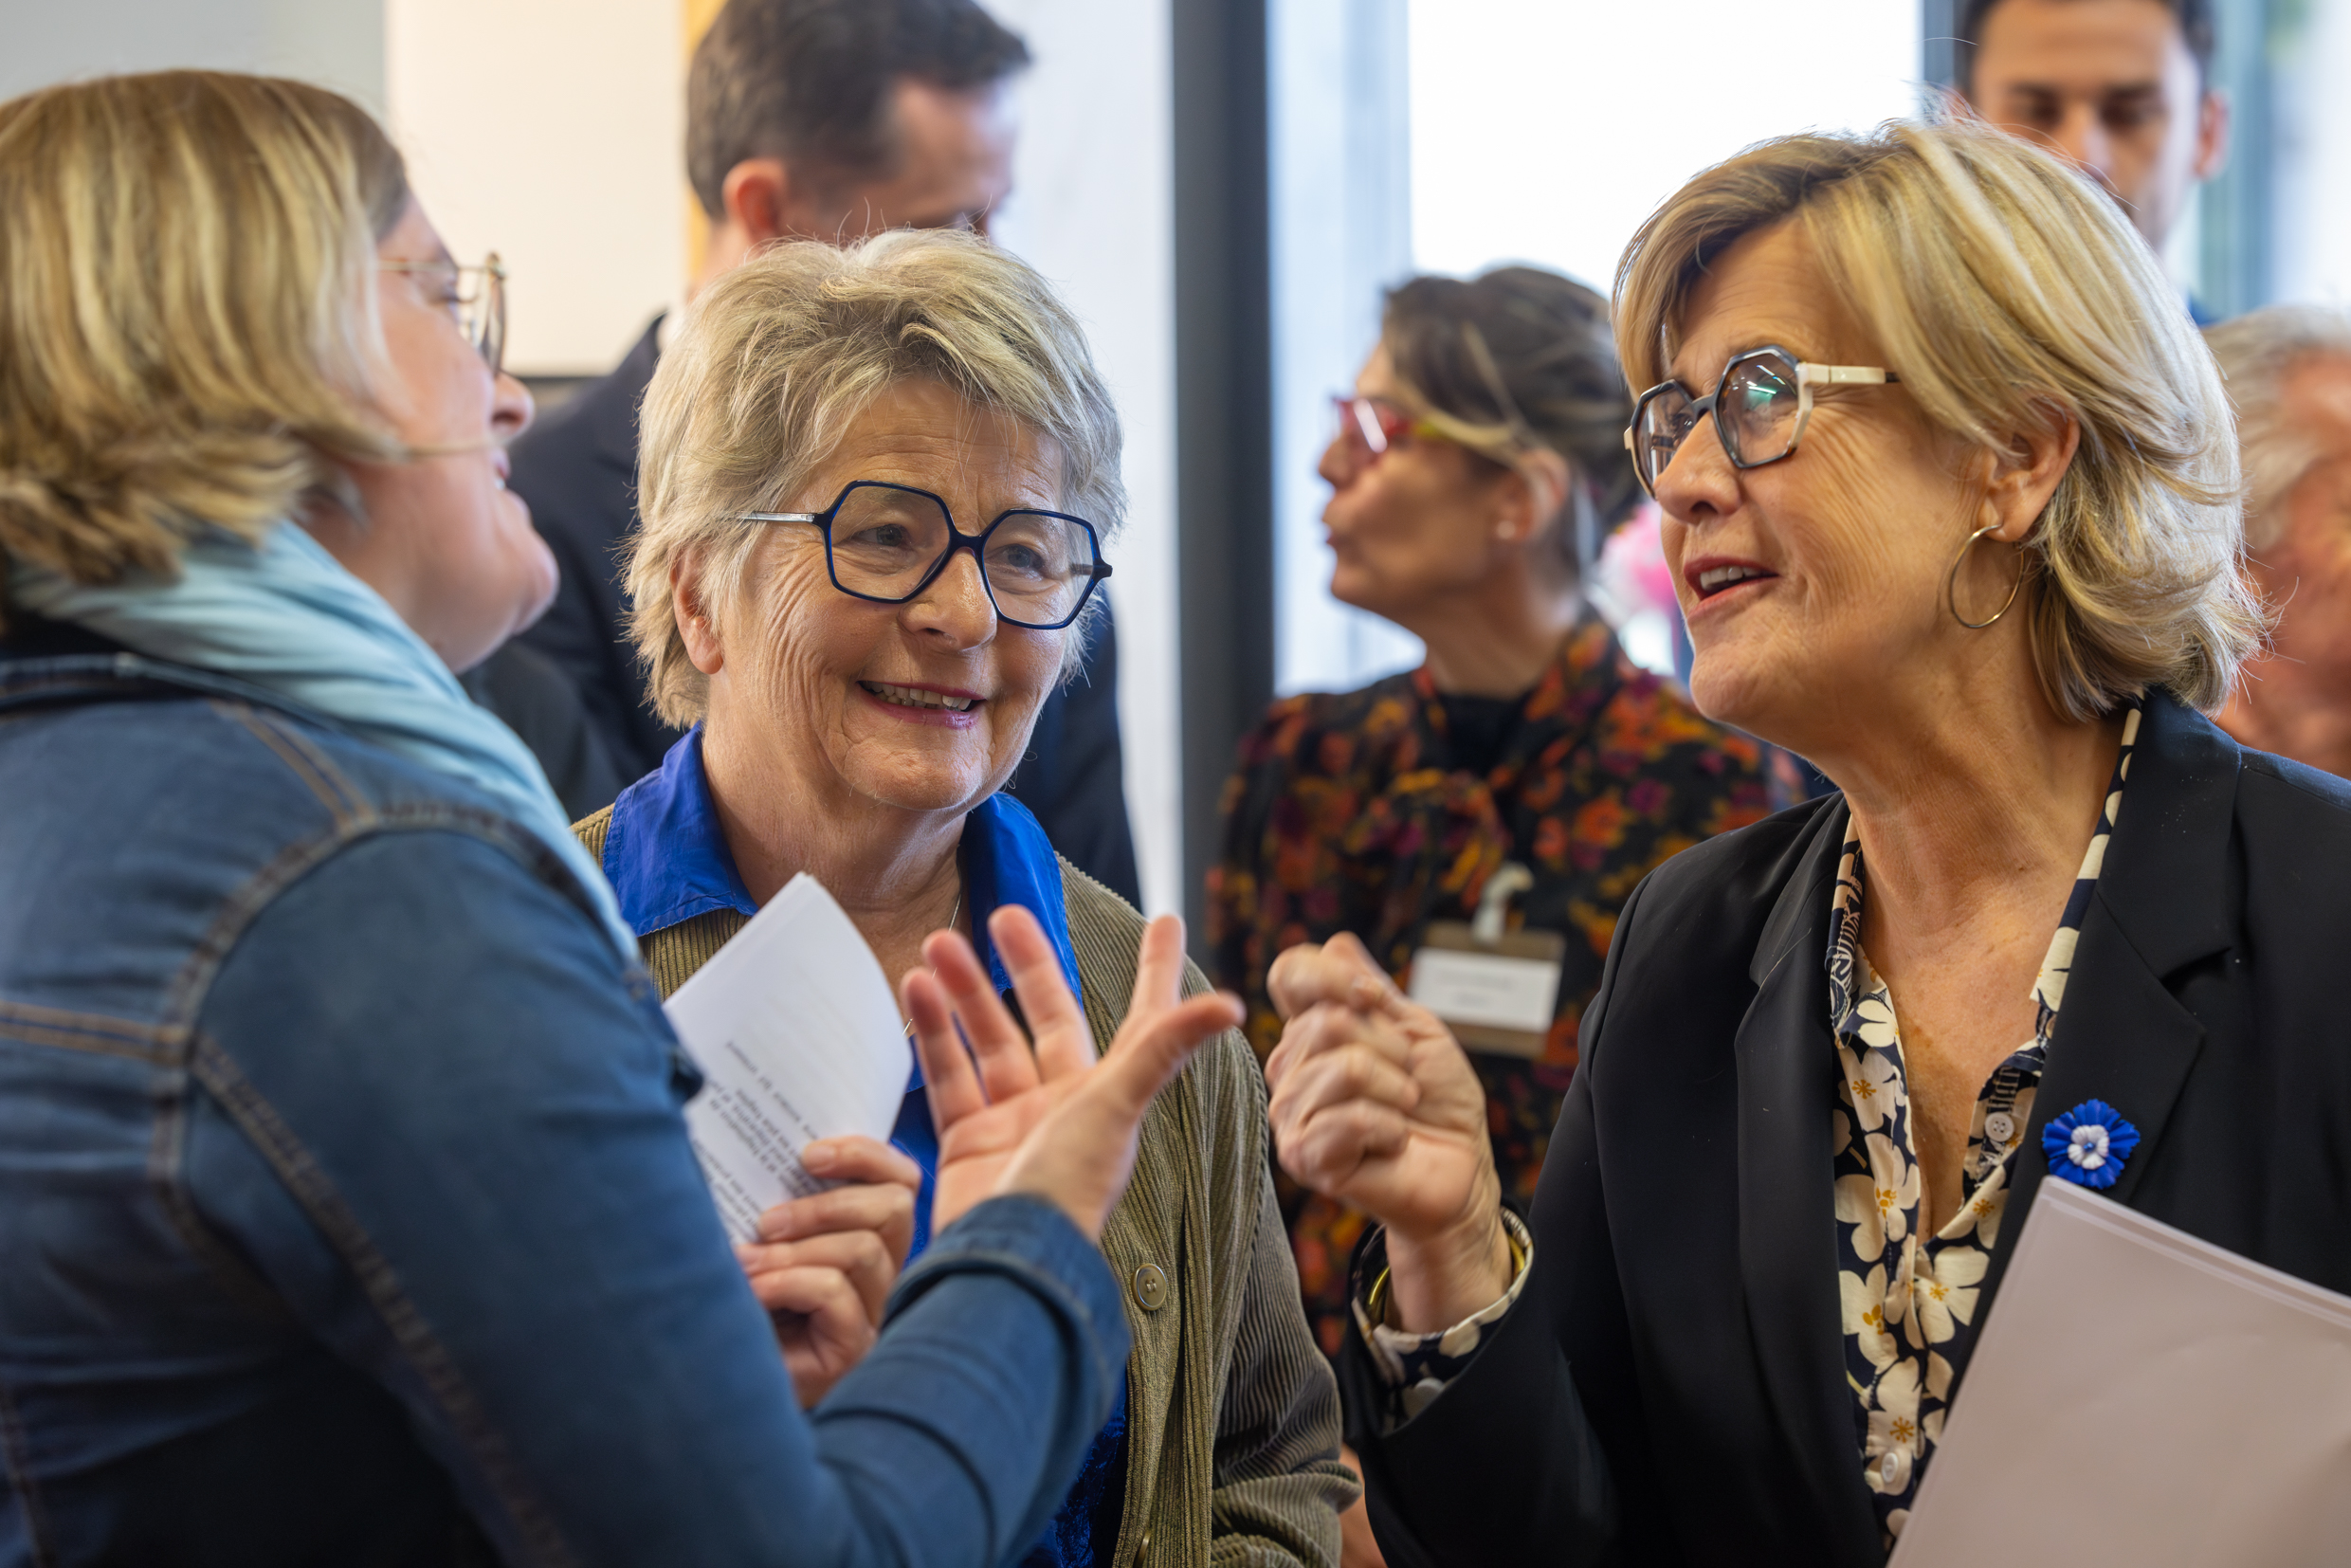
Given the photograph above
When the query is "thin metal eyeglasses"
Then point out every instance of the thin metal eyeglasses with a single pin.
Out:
(887, 544)
(481, 310)
(1761, 407)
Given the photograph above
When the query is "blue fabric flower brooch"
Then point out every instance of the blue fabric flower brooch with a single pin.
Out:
(2088, 1145)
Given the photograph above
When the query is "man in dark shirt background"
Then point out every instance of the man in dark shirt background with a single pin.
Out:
(2122, 87)
(828, 120)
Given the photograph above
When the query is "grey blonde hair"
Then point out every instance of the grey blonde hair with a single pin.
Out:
(188, 321)
(2259, 352)
(777, 360)
(2007, 291)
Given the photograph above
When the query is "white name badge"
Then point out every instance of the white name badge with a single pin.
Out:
(1497, 996)
(1485, 987)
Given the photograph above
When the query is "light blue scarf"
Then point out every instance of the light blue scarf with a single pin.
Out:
(288, 618)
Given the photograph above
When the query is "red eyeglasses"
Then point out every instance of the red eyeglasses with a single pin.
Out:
(1368, 427)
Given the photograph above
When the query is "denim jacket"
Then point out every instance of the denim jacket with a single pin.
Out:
(346, 1214)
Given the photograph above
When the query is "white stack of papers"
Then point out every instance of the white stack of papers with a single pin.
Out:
(2140, 1399)
(795, 1031)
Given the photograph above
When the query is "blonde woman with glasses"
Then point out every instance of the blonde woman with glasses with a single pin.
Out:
(346, 1210)
(1951, 493)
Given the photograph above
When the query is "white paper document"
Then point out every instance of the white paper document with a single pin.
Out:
(2143, 1399)
(798, 1038)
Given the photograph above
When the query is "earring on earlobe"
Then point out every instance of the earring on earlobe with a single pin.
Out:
(1951, 583)
(1505, 529)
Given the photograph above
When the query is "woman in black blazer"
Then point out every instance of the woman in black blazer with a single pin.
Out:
(1959, 523)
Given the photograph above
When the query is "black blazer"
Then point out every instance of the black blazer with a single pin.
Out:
(578, 472)
(1671, 1387)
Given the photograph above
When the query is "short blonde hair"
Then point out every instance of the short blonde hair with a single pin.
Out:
(2004, 288)
(2258, 353)
(776, 361)
(188, 323)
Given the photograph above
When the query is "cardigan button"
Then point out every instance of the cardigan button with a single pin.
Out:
(1150, 1288)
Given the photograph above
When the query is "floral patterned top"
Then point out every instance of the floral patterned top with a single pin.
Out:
(1909, 1301)
(1365, 811)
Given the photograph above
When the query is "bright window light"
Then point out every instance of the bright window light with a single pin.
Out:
(1545, 131)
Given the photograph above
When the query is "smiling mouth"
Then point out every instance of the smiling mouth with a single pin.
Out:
(914, 697)
(1716, 578)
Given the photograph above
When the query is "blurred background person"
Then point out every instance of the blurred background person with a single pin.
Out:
(302, 1260)
(2288, 369)
(1475, 471)
(828, 120)
(857, 685)
(2122, 87)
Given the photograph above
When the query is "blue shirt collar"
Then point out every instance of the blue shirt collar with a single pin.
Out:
(667, 859)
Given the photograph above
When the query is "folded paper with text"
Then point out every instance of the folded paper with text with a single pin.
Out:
(797, 1038)
(2145, 1399)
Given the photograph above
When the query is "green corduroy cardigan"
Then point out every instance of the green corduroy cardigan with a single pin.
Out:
(1232, 1415)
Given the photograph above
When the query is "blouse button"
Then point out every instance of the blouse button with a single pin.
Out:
(1894, 1469)
(1999, 1127)
(1150, 1288)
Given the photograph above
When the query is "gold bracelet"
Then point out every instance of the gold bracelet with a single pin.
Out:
(1376, 1299)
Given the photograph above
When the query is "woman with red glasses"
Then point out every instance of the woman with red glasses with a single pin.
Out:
(1481, 460)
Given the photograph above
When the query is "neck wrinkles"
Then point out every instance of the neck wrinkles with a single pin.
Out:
(887, 865)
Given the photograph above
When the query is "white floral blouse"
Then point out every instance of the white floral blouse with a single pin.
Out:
(1909, 1301)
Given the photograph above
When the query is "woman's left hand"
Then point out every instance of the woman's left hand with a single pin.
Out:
(823, 1265)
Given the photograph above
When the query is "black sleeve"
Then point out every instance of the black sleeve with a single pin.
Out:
(1504, 1466)
(539, 704)
(1508, 1465)
(584, 507)
(1074, 776)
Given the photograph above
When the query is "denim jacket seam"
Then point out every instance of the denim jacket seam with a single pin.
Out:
(12, 1451)
(184, 996)
(218, 1072)
(344, 801)
(167, 1159)
(95, 1032)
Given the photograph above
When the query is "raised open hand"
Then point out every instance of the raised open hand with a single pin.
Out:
(1375, 1104)
(1052, 1121)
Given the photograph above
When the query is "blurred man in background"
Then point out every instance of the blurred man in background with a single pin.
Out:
(2122, 87)
(2289, 375)
(826, 120)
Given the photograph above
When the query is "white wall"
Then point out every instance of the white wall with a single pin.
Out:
(338, 44)
(551, 131)
(1093, 209)
(548, 129)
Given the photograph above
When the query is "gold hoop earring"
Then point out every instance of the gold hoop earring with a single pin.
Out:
(1951, 583)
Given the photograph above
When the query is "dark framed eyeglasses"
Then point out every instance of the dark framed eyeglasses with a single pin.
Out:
(889, 542)
(476, 297)
(1761, 407)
